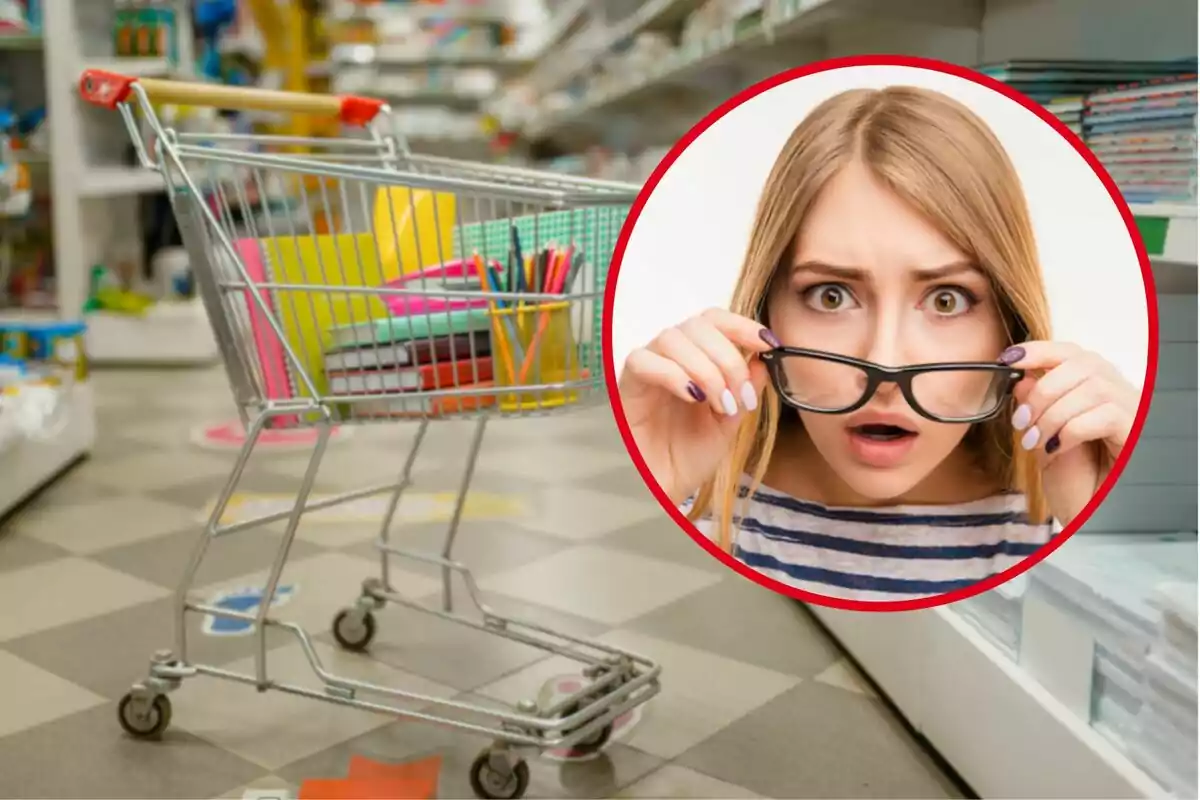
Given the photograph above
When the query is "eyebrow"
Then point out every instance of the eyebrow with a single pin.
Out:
(864, 276)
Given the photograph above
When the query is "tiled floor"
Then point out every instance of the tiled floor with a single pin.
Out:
(756, 700)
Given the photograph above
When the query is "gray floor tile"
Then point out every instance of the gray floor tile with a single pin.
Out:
(672, 781)
(108, 654)
(87, 755)
(201, 493)
(162, 560)
(602, 777)
(822, 742)
(18, 551)
(739, 619)
(448, 652)
(625, 481)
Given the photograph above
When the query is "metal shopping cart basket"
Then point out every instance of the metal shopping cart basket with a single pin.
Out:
(350, 281)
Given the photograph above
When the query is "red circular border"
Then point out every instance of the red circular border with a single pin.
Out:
(946, 69)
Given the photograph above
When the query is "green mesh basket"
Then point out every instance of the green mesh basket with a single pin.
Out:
(593, 231)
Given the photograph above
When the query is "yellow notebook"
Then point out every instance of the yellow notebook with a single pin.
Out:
(321, 264)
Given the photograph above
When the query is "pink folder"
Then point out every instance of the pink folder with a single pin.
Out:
(412, 305)
(271, 357)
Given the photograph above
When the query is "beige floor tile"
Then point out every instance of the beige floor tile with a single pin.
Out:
(157, 469)
(271, 787)
(31, 696)
(579, 514)
(609, 586)
(680, 782)
(548, 460)
(845, 675)
(273, 729)
(701, 692)
(85, 528)
(66, 590)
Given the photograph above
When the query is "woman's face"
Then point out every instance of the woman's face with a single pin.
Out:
(871, 279)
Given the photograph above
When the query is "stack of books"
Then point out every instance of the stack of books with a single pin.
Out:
(1118, 589)
(1145, 136)
(1164, 739)
(1070, 111)
(1064, 81)
(429, 341)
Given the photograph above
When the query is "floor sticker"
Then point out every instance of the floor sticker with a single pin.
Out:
(558, 688)
(375, 780)
(415, 507)
(245, 600)
(231, 436)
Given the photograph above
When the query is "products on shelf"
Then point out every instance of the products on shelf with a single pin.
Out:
(20, 16)
(146, 29)
(1145, 136)
(39, 362)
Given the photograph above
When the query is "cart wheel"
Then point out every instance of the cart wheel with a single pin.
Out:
(591, 744)
(489, 783)
(354, 630)
(149, 724)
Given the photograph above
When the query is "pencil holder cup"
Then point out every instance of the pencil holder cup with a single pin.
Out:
(545, 355)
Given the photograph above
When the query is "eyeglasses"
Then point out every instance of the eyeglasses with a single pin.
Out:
(827, 383)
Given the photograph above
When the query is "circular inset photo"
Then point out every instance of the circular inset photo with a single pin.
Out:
(883, 333)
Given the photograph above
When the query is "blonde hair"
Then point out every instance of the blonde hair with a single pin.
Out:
(939, 157)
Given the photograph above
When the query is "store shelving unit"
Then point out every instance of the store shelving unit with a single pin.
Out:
(1002, 688)
(97, 187)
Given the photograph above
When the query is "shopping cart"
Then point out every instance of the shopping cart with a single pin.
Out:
(350, 281)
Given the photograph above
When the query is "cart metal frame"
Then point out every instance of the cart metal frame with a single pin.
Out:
(616, 680)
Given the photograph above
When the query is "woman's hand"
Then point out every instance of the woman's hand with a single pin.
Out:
(1076, 411)
(684, 395)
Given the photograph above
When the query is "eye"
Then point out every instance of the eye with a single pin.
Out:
(829, 297)
(949, 301)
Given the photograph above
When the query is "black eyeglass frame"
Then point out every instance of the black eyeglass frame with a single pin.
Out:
(878, 375)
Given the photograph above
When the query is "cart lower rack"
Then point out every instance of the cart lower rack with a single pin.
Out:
(350, 281)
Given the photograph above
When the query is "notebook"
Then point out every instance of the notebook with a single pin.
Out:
(400, 354)
(427, 377)
(407, 328)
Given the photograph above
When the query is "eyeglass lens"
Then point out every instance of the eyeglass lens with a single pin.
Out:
(951, 394)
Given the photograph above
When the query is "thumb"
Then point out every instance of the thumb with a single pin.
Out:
(758, 376)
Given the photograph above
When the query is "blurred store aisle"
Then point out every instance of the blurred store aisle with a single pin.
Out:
(757, 701)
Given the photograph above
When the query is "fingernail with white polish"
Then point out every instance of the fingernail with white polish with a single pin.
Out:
(749, 396)
(1030, 439)
(728, 403)
(1021, 417)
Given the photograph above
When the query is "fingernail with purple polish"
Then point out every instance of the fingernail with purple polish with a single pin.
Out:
(696, 392)
(1053, 444)
(770, 338)
(1012, 355)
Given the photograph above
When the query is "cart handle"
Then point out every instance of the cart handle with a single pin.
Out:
(110, 89)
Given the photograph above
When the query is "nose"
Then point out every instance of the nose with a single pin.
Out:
(886, 346)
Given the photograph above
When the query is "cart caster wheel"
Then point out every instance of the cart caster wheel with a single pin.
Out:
(593, 743)
(148, 724)
(489, 783)
(354, 630)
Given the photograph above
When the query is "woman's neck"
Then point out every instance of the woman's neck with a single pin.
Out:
(799, 470)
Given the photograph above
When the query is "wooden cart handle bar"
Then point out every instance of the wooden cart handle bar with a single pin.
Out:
(109, 89)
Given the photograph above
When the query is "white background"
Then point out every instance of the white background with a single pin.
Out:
(687, 246)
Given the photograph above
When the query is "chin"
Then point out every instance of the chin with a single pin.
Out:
(879, 485)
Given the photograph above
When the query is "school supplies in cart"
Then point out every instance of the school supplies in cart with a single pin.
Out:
(324, 329)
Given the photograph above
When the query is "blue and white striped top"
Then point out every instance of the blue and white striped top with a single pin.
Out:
(880, 554)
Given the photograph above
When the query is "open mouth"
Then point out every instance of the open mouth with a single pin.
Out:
(882, 433)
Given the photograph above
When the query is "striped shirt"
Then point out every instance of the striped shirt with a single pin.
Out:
(880, 554)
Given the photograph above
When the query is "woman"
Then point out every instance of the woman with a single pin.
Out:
(892, 231)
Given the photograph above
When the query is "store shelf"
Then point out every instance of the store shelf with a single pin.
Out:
(1002, 731)
(346, 10)
(21, 41)
(402, 56)
(136, 67)
(105, 182)
(29, 464)
(1169, 231)
(176, 334)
